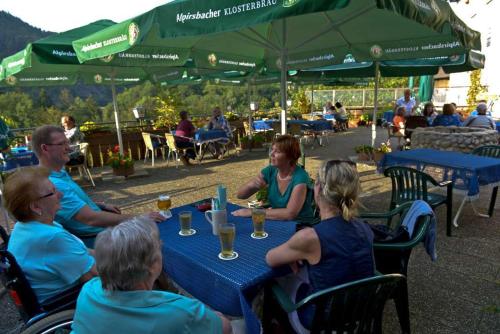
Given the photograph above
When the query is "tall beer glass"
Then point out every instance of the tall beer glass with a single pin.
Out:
(258, 219)
(226, 237)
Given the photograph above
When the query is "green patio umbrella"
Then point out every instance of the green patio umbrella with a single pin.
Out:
(52, 61)
(288, 34)
(425, 88)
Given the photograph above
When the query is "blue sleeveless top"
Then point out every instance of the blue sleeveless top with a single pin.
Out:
(346, 253)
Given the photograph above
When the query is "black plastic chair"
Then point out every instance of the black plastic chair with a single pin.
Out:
(409, 184)
(393, 257)
(491, 151)
(355, 307)
(24, 298)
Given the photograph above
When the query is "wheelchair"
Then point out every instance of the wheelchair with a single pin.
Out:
(55, 315)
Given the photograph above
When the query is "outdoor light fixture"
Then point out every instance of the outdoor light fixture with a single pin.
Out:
(254, 106)
(139, 114)
(289, 103)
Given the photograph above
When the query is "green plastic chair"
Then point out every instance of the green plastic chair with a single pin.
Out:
(409, 184)
(394, 257)
(354, 307)
(491, 151)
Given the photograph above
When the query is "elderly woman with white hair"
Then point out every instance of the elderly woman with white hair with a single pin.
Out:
(122, 299)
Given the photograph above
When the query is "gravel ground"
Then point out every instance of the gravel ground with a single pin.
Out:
(459, 293)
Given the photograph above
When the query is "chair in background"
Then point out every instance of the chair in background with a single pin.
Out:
(409, 184)
(173, 149)
(411, 123)
(354, 307)
(152, 143)
(295, 129)
(491, 151)
(83, 168)
(393, 257)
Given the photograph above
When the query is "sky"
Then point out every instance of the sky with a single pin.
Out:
(62, 15)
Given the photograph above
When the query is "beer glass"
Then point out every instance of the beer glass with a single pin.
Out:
(164, 203)
(185, 218)
(258, 219)
(226, 237)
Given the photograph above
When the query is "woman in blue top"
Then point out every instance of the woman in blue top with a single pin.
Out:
(288, 185)
(122, 299)
(52, 259)
(448, 118)
(339, 249)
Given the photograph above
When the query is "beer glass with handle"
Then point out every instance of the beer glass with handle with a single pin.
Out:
(164, 203)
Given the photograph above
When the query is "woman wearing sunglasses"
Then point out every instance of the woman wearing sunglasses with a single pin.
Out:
(52, 259)
(337, 250)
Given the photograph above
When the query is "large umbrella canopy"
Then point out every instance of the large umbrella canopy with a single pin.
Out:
(288, 34)
(52, 61)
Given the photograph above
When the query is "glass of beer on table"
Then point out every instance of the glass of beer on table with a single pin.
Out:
(226, 236)
(258, 220)
(185, 219)
(164, 203)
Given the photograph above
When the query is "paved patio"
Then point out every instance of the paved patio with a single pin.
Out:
(459, 293)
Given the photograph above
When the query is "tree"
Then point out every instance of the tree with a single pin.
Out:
(475, 89)
(17, 107)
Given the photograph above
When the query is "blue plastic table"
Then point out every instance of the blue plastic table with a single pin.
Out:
(19, 157)
(226, 286)
(467, 172)
(498, 126)
(317, 125)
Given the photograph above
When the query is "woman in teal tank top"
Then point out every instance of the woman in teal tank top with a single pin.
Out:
(288, 185)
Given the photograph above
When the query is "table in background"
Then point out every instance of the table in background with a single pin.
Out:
(226, 286)
(388, 116)
(467, 171)
(18, 157)
(203, 138)
(498, 125)
(317, 125)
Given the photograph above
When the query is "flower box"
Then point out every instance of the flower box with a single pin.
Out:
(123, 171)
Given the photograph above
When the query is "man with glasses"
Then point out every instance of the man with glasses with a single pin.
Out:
(78, 213)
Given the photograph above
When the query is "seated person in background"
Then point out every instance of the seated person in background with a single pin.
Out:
(288, 185)
(218, 121)
(75, 137)
(184, 133)
(448, 118)
(339, 249)
(430, 112)
(52, 259)
(341, 116)
(476, 112)
(408, 102)
(5, 135)
(77, 213)
(481, 120)
(122, 299)
(327, 109)
(398, 127)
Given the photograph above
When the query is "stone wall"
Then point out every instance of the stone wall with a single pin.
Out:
(453, 138)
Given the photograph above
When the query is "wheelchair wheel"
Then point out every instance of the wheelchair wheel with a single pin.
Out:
(57, 323)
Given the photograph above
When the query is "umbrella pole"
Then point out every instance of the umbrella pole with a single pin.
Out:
(312, 101)
(283, 59)
(117, 118)
(375, 103)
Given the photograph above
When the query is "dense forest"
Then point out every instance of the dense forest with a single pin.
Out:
(30, 107)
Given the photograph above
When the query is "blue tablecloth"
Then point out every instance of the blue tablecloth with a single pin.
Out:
(318, 125)
(498, 126)
(210, 135)
(226, 286)
(388, 115)
(467, 171)
(18, 157)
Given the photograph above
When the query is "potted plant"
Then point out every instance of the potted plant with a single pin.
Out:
(364, 152)
(122, 164)
(255, 141)
(379, 152)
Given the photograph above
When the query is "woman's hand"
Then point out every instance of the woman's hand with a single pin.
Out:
(242, 213)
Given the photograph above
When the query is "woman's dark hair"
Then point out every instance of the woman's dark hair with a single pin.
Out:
(448, 109)
(183, 114)
(427, 106)
(338, 105)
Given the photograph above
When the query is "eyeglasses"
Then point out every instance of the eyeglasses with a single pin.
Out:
(48, 195)
(65, 143)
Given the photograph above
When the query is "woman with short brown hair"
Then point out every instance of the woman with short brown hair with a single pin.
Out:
(288, 184)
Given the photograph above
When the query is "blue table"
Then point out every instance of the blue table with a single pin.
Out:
(18, 157)
(467, 172)
(388, 116)
(263, 125)
(226, 286)
(203, 136)
(317, 125)
(498, 126)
